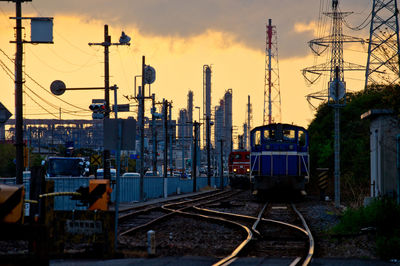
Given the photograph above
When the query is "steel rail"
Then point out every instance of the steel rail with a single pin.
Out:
(149, 208)
(232, 257)
(158, 204)
(306, 231)
(253, 218)
(259, 219)
(226, 260)
(308, 258)
(172, 211)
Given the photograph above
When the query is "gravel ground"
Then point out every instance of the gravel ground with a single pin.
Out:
(206, 239)
(321, 216)
(174, 237)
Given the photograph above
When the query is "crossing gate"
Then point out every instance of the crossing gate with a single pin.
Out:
(11, 203)
(99, 194)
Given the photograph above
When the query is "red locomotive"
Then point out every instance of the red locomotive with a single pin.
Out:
(239, 168)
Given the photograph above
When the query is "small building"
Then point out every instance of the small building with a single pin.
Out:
(384, 129)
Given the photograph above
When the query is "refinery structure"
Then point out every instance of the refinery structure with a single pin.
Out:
(207, 130)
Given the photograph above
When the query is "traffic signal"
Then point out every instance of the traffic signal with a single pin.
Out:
(98, 109)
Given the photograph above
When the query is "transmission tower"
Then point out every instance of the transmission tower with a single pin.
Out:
(336, 87)
(272, 93)
(249, 114)
(383, 47)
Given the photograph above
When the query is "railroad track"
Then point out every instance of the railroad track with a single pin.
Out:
(143, 217)
(279, 230)
(272, 230)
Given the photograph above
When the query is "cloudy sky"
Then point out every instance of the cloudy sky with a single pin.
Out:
(177, 37)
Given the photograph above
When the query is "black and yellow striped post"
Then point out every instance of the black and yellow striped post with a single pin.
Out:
(11, 203)
(323, 181)
(99, 194)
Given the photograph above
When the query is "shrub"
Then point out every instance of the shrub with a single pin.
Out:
(384, 216)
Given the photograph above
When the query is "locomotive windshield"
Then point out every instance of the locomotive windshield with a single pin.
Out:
(279, 133)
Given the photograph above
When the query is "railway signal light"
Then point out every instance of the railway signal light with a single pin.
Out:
(98, 109)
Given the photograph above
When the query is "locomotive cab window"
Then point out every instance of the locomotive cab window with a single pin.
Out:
(302, 138)
(269, 134)
(289, 135)
(257, 138)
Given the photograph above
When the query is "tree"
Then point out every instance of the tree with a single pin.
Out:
(354, 138)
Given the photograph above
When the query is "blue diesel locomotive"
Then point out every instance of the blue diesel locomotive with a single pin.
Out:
(279, 158)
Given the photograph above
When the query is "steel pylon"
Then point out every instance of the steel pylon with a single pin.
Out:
(383, 44)
(272, 94)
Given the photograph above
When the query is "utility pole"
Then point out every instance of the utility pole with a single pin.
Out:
(106, 44)
(221, 170)
(336, 86)
(170, 137)
(141, 126)
(194, 164)
(165, 117)
(208, 134)
(154, 131)
(19, 143)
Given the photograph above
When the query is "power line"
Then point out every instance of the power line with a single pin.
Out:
(86, 64)
(37, 83)
(58, 34)
(39, 105)
(9, 73)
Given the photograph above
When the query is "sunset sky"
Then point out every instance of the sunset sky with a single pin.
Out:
(177, 37)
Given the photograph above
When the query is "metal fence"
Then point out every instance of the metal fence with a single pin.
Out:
(129, 188)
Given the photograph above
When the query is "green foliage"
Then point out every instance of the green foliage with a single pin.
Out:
(354, 138)
(35, 159)
(382, 215)
(7, 155)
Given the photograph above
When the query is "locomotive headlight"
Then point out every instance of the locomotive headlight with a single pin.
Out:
(234, 170)
(248, 170)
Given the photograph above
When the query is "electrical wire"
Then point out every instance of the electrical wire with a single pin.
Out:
(86, 64)
(6, 17)
(364, 23)
(39, 105)
(59, 35)
(9, 73)
(38, 84)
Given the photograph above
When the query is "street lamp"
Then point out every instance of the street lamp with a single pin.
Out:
(198, 107)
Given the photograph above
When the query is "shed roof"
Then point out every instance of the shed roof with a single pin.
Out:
(373, 113)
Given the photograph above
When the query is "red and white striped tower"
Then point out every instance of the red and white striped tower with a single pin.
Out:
(272, 93)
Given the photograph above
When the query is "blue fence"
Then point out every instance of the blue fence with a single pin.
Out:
(129, 188)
